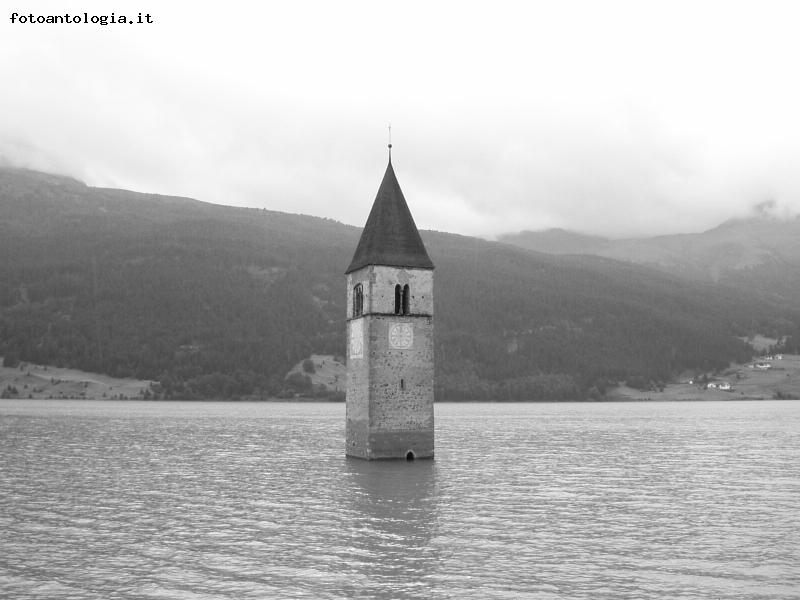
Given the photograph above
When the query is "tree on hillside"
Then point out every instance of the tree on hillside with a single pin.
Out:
(11, 359)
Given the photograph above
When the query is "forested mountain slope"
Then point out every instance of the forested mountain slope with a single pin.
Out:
(220, 301)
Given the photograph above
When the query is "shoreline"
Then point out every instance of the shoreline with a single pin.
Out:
(619, 400)
(40, 382)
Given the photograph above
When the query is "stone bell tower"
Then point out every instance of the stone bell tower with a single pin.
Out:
(390, 334)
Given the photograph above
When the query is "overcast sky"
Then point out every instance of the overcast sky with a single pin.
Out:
(617, 118)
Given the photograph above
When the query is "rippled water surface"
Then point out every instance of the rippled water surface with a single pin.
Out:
(207, 500)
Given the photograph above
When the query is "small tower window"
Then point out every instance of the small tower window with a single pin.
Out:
(402, 298)
(398, 299)
(402, 384)
(358, 300)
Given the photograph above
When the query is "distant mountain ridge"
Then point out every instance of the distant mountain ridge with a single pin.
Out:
(760, 252)
(217, 301)
(558, 241)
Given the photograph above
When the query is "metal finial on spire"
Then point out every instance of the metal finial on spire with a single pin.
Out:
(390, 142)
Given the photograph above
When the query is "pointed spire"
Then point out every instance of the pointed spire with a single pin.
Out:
(390, 237)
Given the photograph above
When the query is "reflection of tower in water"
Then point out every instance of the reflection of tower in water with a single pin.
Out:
(394, 522)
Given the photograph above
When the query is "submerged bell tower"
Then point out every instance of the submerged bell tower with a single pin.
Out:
(390, 334)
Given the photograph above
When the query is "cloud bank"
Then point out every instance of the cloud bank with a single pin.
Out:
(619, 119)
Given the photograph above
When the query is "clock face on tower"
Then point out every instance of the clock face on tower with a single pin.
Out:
(357, 339)
(401, 336)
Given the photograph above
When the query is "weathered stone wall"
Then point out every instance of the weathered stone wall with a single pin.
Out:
(390, 390)
(386, 444)
(357, 394)
(378, 284)
(401, 415)
(394, 405)
(381, 289)
(357, 389)
(361, 276)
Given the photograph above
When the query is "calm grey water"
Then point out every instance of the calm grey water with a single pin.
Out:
(218, 500)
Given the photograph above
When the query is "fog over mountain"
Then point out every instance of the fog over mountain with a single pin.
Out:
(760, 252)
(619, 119)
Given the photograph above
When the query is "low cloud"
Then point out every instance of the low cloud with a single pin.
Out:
(601, 131)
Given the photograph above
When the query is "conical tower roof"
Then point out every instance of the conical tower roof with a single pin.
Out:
(390, 237)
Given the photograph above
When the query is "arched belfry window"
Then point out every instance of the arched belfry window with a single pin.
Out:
(358, 300)
(398, 299)
(402, 300)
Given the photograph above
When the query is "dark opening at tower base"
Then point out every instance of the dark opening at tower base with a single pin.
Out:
(410, 455)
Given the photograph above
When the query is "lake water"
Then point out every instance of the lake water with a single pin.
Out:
(238, 500)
